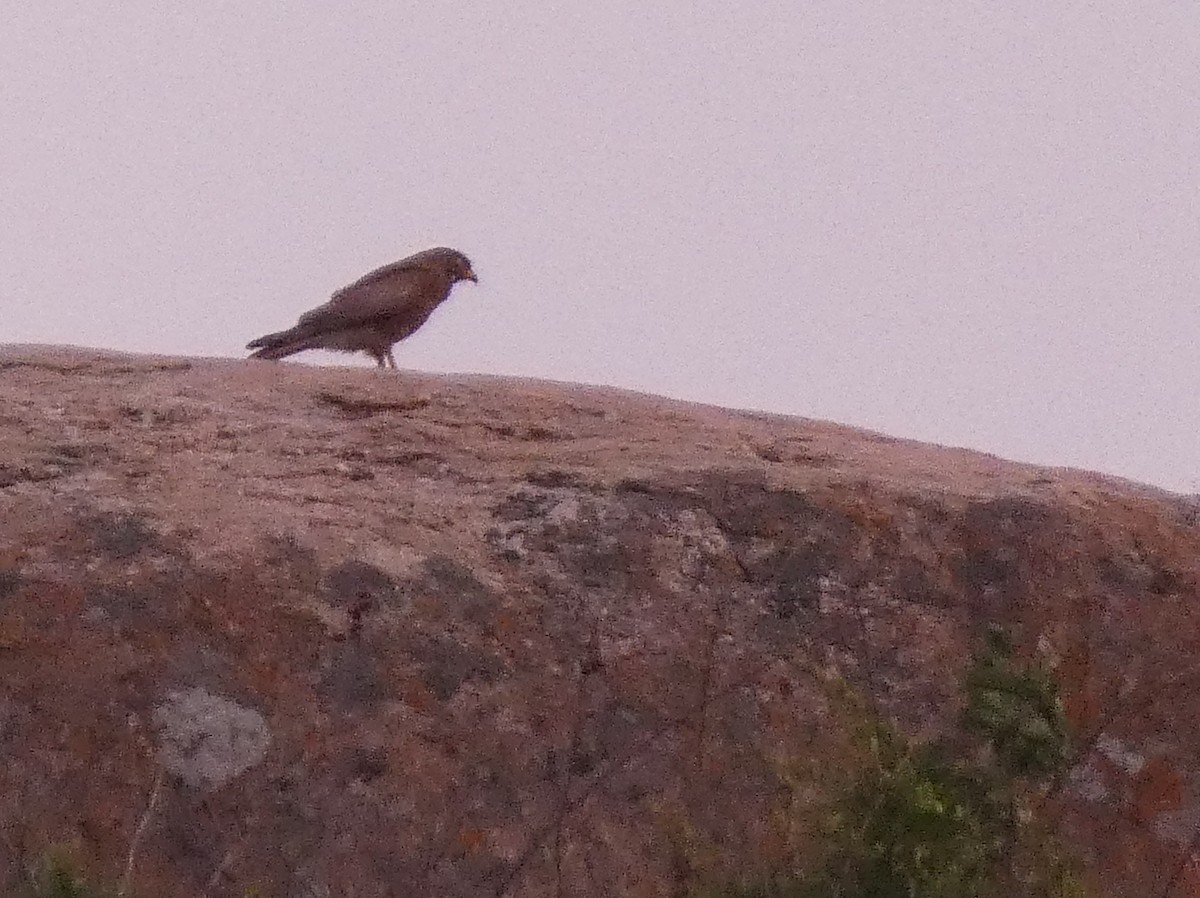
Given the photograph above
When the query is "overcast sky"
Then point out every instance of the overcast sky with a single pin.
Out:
(973, 223)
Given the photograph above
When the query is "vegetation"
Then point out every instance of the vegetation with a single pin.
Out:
(919, 822)
(57, 877)
(1016, 708)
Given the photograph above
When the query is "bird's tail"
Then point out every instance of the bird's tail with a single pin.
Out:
(281, 344)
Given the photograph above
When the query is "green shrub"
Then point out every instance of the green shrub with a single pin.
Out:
(917, 823)
(57, 877)
(915, 826)
(1016, 708)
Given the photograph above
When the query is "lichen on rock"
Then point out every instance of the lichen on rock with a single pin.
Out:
(207, 740)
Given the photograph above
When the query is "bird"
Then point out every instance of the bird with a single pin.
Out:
(375, 312)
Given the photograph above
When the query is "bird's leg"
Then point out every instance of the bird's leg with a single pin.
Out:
(379, 363)
(391, 358)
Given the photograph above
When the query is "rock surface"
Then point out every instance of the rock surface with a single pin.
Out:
(377, 634)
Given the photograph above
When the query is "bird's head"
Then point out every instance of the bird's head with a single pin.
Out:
(454, 263)
(450, 261)
(462, 269)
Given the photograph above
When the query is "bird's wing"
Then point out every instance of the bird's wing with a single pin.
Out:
(384, 292)
(392, 273)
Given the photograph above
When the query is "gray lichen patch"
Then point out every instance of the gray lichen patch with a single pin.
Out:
(207, 740)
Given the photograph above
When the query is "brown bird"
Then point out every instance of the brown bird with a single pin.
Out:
(375, 312)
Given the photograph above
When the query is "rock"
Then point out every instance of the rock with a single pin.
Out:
(207, 740)
(401, 634)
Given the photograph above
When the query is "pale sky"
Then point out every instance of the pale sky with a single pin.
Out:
(973, 223)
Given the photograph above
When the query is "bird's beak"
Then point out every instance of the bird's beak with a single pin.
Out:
(470, 276)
